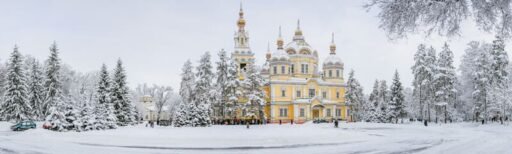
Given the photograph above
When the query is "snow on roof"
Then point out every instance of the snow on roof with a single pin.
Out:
(333, 60)
(279, 54)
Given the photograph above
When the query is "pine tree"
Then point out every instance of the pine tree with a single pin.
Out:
(481, 78)
(498, 79)
(221, 84)
(120, 97)
(372, 109)
(87, 118)
(430, 62)
(354, 97)
(444, 81)
(52, 84)
(419, 71)
(104, 109)
(203, 87)
(396, 105)
(35, 89)
(383, 102)
(183, 113)
(467, 86)
(16, 106)
(252, 90)
(232, 89)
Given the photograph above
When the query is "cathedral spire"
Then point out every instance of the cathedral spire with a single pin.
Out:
(280, 42)
(241, 20)
(298, 32)
(332, 47)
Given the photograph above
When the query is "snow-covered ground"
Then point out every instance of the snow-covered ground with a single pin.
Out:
(306, 138)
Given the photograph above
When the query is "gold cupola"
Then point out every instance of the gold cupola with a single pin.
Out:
(280, 41)
(241, 20)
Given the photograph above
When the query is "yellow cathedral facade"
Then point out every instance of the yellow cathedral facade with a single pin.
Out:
(297, 90)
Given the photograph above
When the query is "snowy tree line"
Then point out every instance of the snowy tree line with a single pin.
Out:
(208, 96)
(63, 98)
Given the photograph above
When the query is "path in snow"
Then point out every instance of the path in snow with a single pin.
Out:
(306, 138)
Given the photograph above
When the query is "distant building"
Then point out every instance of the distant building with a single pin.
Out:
(150, 112)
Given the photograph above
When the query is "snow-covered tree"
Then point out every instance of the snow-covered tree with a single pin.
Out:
(383, 102)
(124, 109)
(16, 106)
(481, 78)
(499, 79)
(420, 71)
(105, 116)
(221, 85)
(203, 96)
(187, 84)
(181, 115)
(397, 98)
(372, 110)
(445, 17)
(35, 89)
(354, 97)
(252, 90)
(52, 84)
(445, 81)
(232, 90)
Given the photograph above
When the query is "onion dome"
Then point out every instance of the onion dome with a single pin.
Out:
(241, 20)
(332, 59)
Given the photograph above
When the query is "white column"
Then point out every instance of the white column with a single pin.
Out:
(334, 110)
(295, 112)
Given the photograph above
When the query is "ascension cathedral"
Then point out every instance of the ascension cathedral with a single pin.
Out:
(297, 90)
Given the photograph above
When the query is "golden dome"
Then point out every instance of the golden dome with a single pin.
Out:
(241, 22)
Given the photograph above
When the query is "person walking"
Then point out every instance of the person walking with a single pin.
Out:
(336, 123)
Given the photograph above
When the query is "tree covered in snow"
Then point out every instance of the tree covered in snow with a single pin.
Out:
(203, 95)
(124, 109)
(221, 85)
(354, 97)
(182, 115)
(444, 82)
(105, 116)
(419, 71)
(372, 110)
(383, 100)
(16, 106)
(398, 18)
(252, 89)
(52, 84)
(3, 73)
(36, 89)
(397, 98)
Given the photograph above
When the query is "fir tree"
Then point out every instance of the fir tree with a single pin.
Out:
(203, 87)
(354, 97)
(120, 97)
(16, 106)
(372, 109)
(445, 80)
(221, 84)
(383, 102)
(105, 116)
(420, 70)
(481, 78)
(396, 105)
(253, 91)
(52, 84)
(35, 89)
(232, 89)
(183, 113)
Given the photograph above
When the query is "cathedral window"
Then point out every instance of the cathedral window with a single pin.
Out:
(292, 69)
(302, 68)
(275, 69)
(338, 112)
(324, 94)
(328, 112)
(330, 73)
(311, 93)
(283, 93)
(298, 93)
(307, 68)
(338, 73)
(282, 70)
(337, 94)
(283, 112)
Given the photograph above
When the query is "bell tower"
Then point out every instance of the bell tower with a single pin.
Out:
(242, 53)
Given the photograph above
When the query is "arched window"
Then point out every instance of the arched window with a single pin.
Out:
(330, 73)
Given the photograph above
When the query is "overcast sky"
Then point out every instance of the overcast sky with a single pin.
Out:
(155, 38)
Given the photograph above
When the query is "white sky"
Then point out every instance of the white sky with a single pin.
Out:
(155, 38)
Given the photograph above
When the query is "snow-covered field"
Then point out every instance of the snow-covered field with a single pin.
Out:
(306, 138)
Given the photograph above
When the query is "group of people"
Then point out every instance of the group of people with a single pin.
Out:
(151, 124)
